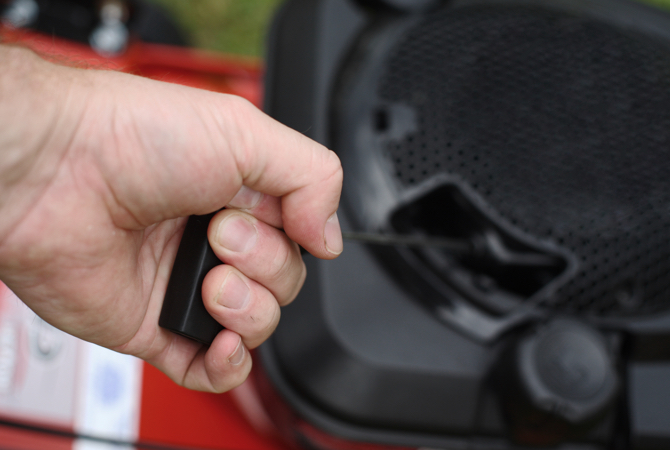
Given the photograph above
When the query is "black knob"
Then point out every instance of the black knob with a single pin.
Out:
(557, 382)
(183, 311)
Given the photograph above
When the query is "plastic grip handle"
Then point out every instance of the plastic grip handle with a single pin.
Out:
(183, 310)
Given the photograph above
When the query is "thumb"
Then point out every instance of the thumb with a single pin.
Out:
(198, 148)
(279, 161)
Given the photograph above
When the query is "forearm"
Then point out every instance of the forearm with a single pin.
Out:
(33, 94)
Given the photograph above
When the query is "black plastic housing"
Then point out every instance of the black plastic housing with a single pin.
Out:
(183, 309)
(358, 354)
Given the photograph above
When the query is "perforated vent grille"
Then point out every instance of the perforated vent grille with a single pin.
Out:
(562, 125)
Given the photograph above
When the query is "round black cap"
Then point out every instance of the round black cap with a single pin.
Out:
(566, 370)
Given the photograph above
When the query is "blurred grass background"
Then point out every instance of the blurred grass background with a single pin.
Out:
(240, 26)
(231, 26)
(663, 4)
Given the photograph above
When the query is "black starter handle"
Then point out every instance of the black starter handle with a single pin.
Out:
(183, 309)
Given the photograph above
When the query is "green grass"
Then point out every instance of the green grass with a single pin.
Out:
(240, 26)
(664, 4)
(231, 26)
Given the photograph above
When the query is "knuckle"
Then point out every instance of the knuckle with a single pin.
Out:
(335, 166)
(333, 174)
(272, 323)
(268, 326)
(232, 379)
(283, 267)
(264, 327)
(300, 280)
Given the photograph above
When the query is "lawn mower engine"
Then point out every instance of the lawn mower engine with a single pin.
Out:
(534, 136)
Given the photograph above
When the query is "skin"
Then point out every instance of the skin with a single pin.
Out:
(98, 172)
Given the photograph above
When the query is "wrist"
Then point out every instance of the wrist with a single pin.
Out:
(35, 125)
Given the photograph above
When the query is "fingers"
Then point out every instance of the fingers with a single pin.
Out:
(262, 206)
(240, 304)
(218, 368)
(276, 160)
(263, 270)
(221, 367)
(259, 251)
(198, 148)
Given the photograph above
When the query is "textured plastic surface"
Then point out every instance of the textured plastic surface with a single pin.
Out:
(379, 345)
(544, 136)
(649, 397)
(183, 310)
(505, 99)
(556, 382)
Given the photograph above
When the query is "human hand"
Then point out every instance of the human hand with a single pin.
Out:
(98, 171)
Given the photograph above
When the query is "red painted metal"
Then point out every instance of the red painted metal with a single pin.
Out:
(174, 415)
(16, 439)
(187, 66)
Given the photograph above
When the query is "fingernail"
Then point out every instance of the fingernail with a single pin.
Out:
(237, 234)
(237, 356)
(246, 198)
(333, 235)
(234, 293)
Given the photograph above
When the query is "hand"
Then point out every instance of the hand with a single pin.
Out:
(98, 171)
